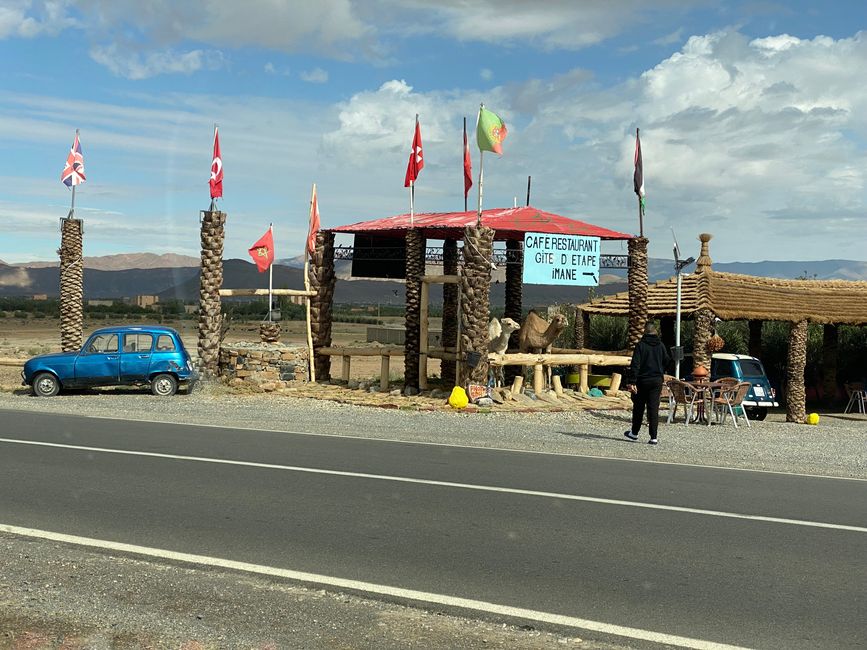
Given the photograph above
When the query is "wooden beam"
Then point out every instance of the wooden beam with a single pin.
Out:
(440, 279)
(383, 372)
(558, 359)
(12, 362)
(372, 351)
(345, 368)
(228, 293)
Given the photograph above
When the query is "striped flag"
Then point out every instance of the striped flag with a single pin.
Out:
(73, 172)
(638, 176)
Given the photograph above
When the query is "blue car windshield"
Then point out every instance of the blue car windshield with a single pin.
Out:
(752, 368)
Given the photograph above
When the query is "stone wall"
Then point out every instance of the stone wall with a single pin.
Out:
(263, 366)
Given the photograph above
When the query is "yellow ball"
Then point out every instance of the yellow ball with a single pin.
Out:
(813, 418)
(458, 399)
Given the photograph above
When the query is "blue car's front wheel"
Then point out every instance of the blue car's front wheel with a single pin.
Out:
(45, 385)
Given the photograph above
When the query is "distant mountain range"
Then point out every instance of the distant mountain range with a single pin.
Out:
(177, 277)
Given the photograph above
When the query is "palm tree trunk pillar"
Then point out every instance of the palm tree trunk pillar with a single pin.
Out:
(703, 319)
(71, 283)
(476, 301)
(582, 328)
(514, 308)
(830, 341)
(637, 280)
(796, 396)
(322, 281)
(450, 310)
(415, 265)
(755, 345)
(210, 283)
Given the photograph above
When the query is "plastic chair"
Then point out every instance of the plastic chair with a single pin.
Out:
(682, 394)
(730, 400)
(857, 397)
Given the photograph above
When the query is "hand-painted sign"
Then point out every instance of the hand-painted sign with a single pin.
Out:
(561, 259)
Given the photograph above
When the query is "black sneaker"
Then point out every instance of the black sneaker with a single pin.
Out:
(653, 441)
(630, 435)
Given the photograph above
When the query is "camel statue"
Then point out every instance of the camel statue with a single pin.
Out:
(499, 332)
(538, 335)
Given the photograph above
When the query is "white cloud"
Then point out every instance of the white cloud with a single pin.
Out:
(486, 73)
(28, 19)
(133, 65)
(315, 76)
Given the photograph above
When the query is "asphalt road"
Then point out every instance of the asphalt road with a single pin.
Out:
(729, 556)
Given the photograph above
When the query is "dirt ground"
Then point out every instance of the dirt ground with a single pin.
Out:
(22, 339)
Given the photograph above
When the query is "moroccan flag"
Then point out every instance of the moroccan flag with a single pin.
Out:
(638, 176)
(416, 158)
(216, 181)
(73, 172)
(468, 166)
(314, 224)
(491, 131)
(262, 251)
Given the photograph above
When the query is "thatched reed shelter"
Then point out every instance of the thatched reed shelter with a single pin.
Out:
(708, 294)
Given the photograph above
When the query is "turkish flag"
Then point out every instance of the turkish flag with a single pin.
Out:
(416, 158)
(216, 181)
(262, 251)
(314, 224)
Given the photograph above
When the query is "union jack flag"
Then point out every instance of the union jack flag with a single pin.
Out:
(73, 172)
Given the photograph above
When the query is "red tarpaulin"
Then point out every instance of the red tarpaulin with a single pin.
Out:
(509, 223)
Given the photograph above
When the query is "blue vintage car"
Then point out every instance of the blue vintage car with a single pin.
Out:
(112, 356)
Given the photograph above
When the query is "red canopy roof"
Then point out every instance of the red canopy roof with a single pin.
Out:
(509, 223)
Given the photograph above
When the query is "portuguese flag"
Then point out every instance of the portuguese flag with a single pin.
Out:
(490, 132)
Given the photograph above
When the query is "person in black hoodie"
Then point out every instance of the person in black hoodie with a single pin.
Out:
(646, 371)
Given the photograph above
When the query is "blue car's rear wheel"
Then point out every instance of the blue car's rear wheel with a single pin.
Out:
(45, 385)
(164, 385)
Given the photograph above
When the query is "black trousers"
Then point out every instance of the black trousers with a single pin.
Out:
(647, 398)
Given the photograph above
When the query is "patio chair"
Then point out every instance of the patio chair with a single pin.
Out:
(857, 397)
(682, 394)
(730, 400)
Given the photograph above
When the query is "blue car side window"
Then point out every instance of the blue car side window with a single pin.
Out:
(102, 344)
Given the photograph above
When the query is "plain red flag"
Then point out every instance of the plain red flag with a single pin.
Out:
(314, 224)
(416, 158)
(468, 165)
(262, 251)
(216, 181)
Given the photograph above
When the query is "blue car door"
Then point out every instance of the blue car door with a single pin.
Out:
(135, 359)
(98, 364)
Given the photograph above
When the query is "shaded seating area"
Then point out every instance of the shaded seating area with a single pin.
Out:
(707, 295)
(728, 400)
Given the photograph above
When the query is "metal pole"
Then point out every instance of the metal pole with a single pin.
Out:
(640, 211)
(481, 179)
(677, 328)
(529, 178)
(270, 277)
(463, 158)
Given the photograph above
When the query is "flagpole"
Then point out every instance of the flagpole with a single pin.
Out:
(481, 168)
(307, 288)
(464, 159)
(213, 207)
(640, 207)
(270, 276)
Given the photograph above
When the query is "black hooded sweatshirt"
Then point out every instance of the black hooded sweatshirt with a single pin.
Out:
(649, 360)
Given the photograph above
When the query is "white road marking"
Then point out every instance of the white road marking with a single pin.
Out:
(428, 443)
(449, 484)
(372, 588)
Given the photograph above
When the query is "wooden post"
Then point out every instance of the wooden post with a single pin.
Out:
(423, 341)
(616, 378)
(583, 372)
(345, 368)
(538, 378)
(517, 385)
(558, 386)
(383, 372)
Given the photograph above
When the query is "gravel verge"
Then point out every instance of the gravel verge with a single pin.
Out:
(835, 447)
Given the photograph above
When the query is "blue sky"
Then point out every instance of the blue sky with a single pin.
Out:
(753, 117)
